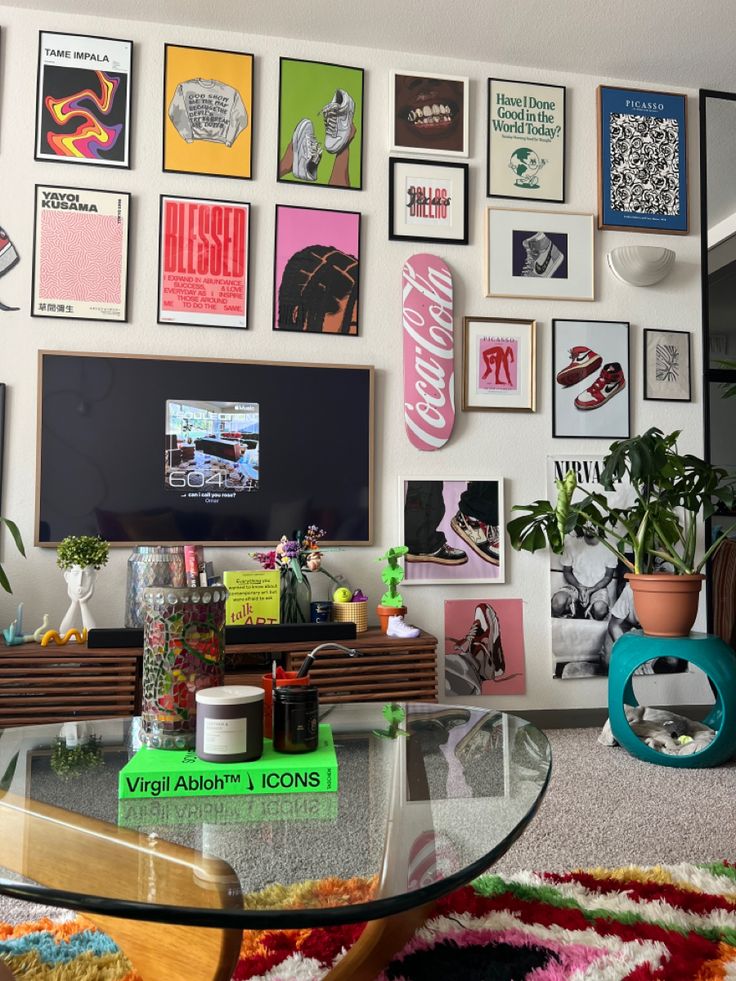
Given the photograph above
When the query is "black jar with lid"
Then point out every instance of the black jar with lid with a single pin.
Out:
(295, 718)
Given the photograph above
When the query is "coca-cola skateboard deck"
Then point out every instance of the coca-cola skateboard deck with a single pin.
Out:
(429, 361)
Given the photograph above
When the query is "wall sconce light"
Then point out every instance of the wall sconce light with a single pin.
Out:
(640, 265)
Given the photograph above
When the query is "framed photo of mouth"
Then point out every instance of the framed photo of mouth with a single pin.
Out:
(526, 140)
(428, 114)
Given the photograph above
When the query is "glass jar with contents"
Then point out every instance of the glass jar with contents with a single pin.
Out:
(295, 718)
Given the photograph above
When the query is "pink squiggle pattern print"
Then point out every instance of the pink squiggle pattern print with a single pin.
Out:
(81, 257)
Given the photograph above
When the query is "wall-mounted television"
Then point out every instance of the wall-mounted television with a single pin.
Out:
(149, 450)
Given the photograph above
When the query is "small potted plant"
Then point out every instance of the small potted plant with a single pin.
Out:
(15, 534)
(658, 531)
(80, 557)
(392, 602)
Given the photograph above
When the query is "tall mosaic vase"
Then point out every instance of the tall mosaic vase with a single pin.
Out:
(183, 651)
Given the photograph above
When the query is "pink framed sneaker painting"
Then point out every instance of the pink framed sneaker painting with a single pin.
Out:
(484, 647)
(454, 530)
(316, 270)
(590, 382)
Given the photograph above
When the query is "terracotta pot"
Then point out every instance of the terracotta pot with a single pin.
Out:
(384, 612)
(666, 604)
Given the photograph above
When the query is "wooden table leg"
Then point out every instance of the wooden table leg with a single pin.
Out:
(166, 952)
(377, 944)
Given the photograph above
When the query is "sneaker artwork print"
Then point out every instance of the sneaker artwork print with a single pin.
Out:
(453, 530)
(484, 647)
(591, 366)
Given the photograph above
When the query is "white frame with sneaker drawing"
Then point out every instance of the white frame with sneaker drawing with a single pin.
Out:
(396, 146)
(461, 561)
(502, 229)
(591, 400)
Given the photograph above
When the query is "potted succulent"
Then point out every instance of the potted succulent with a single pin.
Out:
(81, 557)
(657, 531)
(15, 534)
(392, 602)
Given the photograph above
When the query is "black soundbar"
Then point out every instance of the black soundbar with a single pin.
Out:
(276, 633)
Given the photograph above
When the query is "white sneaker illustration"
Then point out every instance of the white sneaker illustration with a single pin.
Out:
(306, 150)
(543, 258)
(397, 627)
(338, 116)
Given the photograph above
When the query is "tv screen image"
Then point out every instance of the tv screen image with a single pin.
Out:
(146, 450)
(211, 448)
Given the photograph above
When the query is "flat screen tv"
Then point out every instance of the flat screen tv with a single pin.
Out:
(159, 450)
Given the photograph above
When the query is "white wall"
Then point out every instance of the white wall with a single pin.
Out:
(513, 446)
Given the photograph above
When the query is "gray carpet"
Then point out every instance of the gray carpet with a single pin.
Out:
(603, 807)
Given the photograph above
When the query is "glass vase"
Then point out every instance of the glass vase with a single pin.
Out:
(183, 651)
(151, 565)
(294, 598)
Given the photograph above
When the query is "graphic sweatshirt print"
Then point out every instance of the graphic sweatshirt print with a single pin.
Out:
(205, 109)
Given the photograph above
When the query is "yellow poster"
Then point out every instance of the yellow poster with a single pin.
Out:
(208, 112)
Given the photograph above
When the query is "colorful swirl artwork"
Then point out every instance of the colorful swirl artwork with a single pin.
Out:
(92, 137)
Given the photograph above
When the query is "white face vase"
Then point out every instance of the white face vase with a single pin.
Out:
(80, 583)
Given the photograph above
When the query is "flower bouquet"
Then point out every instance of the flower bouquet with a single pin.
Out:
(293, 557)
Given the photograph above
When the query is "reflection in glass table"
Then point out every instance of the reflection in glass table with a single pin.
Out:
(429, 796)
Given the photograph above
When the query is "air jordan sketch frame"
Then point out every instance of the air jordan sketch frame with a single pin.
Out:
(544, 255)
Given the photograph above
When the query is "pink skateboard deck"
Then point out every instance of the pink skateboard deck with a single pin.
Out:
(429, 362)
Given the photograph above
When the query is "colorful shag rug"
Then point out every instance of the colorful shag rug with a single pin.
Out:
(667, 922)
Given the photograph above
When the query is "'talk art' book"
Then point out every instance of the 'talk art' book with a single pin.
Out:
(253, 597)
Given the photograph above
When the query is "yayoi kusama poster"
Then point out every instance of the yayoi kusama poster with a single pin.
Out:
(83, 100)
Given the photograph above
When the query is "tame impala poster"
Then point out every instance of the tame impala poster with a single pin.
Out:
(203, 262)
(83, 100)
(80, 253)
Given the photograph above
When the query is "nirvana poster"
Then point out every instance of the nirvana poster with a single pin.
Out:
(83, 100)
(80, 253)
(203, 262)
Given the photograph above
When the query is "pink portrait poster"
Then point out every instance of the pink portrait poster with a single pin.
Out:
(316, 270)
(484, 647)
(498, 364)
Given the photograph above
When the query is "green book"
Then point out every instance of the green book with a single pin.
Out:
(186, 811)
(181, 773)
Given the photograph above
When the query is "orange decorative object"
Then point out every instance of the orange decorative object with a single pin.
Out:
(666, 604)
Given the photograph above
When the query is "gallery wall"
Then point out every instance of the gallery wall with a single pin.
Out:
(511, 446)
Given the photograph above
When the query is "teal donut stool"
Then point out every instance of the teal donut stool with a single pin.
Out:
(706, 652)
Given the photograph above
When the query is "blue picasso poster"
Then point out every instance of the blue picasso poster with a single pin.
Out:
(643, 162)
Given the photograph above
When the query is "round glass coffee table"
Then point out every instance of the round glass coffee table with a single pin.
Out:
(429, 796)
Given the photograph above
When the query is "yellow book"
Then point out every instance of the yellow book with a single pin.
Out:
(253, 597)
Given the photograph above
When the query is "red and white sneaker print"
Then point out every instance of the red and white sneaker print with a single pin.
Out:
(8, 254)
(609, 382)
(583, 362)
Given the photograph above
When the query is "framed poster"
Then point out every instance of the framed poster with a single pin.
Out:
(526, 140)
(499, 364)
(428, 114)
(642, 160)
(203, 262)
(484, 647)
(208, 112)
(590, 366)
(80, 254)
(667, 365)
(83, 99)
(454, 529)
(546, 255)
(320, 124)
(316, 270)
(428, 201)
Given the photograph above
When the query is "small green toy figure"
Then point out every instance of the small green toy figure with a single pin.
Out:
(392, 575)
(394, 714)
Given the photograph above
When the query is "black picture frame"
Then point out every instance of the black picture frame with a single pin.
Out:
(128, 126)
(126, 246)
(395, 228)
(210, 201)
(164, 111)
(526, 139)
(575, 389)
(330, 239)
(667, 363)
(309, 113)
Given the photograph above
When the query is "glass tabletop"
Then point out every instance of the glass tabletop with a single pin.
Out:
(429, 796)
